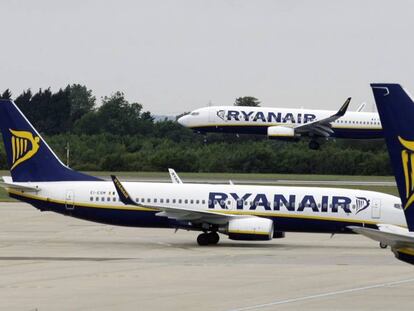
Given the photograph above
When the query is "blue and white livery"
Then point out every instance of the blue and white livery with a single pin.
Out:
(242, 212)
(396, 110)
(286, 123)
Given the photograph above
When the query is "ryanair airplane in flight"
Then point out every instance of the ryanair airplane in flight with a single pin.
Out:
(286, 123)
(396, 110)
(241, 212)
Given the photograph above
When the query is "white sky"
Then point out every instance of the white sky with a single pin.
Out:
(175, 56)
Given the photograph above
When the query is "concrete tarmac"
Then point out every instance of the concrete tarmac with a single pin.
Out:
(53, 262)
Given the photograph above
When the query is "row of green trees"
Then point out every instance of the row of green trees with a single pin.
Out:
(120, 136)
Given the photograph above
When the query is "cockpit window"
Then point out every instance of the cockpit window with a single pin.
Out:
(397, 206)
(195, 113)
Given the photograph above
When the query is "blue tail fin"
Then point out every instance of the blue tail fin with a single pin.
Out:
(396, 110)
(28, 155)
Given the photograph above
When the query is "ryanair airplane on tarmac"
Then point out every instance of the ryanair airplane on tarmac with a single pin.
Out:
(396, 110)
(242, 212)
(286, 123)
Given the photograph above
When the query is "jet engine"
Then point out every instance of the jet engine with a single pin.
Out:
(280, 131)
(253, 229)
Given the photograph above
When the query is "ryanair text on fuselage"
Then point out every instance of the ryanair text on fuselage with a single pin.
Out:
(287, 202)
(270, 117)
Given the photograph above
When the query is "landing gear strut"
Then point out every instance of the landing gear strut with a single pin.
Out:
(208, 238)
(314, 145)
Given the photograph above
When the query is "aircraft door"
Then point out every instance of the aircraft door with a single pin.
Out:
(376, 208)
(69, 200)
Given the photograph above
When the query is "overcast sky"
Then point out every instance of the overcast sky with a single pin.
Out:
(175, 56)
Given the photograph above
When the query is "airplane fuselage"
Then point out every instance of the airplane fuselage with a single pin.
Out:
(256, 120)
(301, 209)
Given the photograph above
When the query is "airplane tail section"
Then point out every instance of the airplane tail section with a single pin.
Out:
(396, 110)
(28, 155)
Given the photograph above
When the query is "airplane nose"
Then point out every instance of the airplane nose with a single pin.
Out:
(183, 121)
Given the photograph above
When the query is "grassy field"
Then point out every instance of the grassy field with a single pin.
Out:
(250, 177)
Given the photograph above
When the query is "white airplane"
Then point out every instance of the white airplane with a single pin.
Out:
(286, 123)
(396, 110)
(242, 212)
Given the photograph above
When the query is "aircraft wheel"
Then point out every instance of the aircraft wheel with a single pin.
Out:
(203, 239)
(213, 238)
(383, 245)
(314, 145)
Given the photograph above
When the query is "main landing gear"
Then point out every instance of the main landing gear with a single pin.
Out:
(314, 145)
(208, 238)
(383, 245)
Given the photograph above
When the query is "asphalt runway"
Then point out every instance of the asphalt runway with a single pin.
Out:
(53, 262)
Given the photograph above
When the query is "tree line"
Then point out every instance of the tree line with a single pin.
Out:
(117, 135)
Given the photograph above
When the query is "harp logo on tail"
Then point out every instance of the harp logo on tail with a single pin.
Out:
(407, 159)
(24, 146)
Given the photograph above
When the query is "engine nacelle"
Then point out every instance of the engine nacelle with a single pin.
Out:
(280, 131)
(253, 229)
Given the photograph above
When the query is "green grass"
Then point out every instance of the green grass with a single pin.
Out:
(251, 177)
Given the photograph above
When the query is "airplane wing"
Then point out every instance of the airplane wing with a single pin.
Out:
(174, 176)
(323, 127)
(176, 213)
(400, 240)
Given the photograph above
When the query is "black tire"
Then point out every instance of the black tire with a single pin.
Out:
(383, 245)
(203, 239)
(213, 238)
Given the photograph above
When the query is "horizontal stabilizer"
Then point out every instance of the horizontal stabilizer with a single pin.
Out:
(8, 183)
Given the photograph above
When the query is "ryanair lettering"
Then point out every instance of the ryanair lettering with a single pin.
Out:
(277, 202)
(269, 117)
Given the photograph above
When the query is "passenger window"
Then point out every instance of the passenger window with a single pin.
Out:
(174, 201)
(186, 201)
(203, 202)
(161, 200)
(148, 200)
(97, 199)
(108, 199)
(167, 201)
(179, 201)
(155, 200)
(114, 199)
(103, 199)
(91, 198)
(197, 201)
(191, 201)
